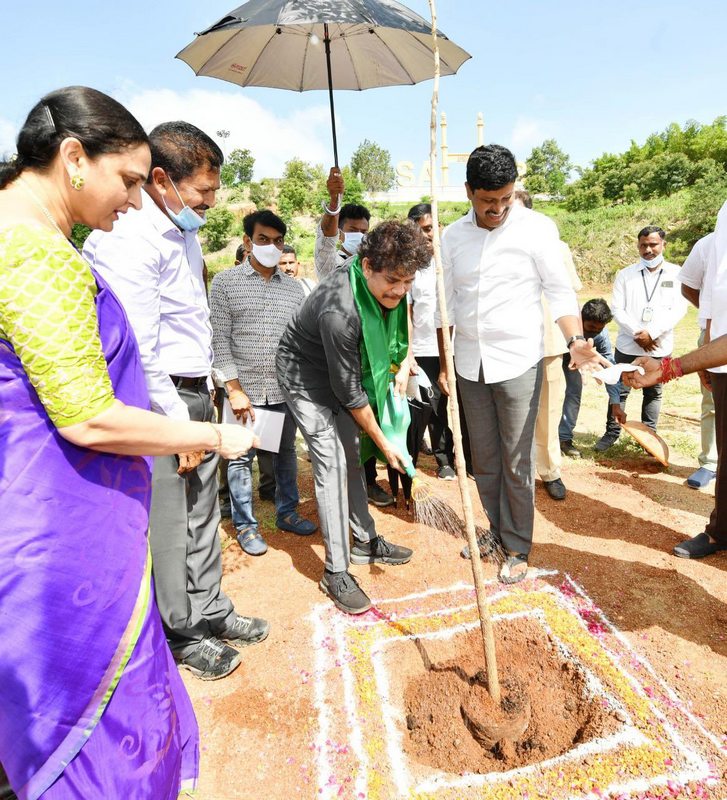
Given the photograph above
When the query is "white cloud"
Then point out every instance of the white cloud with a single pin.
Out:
(8, 134)
(271, 139)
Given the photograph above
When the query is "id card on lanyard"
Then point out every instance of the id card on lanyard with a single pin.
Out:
(648, 313)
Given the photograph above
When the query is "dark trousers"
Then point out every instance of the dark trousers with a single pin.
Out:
(439, 433)
(717, 525)
(650, 403)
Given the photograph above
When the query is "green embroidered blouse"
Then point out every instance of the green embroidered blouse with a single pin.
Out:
(48, 314)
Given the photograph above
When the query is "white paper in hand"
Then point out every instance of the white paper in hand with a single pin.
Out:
(268, 425)
(612, 374)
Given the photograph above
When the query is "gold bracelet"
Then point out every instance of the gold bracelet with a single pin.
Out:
(219, 437)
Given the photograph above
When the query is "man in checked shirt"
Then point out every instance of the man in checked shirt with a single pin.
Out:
(251, 305)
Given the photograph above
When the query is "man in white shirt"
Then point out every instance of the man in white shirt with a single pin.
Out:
(692, 276)
(423, 342)
(498, 261)
(647, 304)
(153, 261)
(290, 265)
(710, 361)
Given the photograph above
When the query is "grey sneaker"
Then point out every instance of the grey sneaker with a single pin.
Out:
(379, 551)
(606, 441)
(378, 497)
(245, 631)
(345, 592)
(210, 660)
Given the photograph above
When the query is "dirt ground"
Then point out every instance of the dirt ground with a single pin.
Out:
(613, 535)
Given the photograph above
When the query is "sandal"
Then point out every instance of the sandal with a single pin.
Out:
(698, 547)
(508, 574)
(251, 542)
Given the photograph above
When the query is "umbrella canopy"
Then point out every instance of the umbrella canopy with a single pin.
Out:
(282, 44)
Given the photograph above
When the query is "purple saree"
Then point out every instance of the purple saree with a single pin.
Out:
(91, 703)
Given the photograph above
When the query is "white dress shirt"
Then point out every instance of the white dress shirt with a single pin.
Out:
(155, 270)
(629, 301)
(423, 297)
(713, 298)
(494, 281)
(694, 270)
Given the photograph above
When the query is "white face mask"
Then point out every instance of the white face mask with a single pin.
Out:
(268, 255)
(654, 263)
(352, 242)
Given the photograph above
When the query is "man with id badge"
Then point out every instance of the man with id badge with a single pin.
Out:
(647, 304)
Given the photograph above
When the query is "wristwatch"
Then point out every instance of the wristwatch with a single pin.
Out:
(575, 338)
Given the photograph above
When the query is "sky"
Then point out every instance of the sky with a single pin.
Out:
(591, 75)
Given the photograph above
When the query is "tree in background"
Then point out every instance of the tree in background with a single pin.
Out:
(548, 168)
(297, 189)
(263, 193)
(372, 164)
(237, 168)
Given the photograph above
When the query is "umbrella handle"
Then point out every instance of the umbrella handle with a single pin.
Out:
(327, 45)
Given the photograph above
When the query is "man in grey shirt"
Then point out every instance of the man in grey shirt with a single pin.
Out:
(320, 372)
(251, 304)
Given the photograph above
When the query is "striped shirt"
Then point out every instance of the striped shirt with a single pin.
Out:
(249, 315)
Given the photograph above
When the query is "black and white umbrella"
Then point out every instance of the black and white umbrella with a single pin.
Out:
(321, 44)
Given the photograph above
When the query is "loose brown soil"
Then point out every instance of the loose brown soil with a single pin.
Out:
(540, 689)
(613, 534)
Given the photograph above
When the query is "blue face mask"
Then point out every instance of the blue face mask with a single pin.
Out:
(187, 219)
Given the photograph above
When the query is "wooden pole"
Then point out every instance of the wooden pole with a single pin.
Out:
(488, 636)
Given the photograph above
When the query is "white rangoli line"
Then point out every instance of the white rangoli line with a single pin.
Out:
(319, 702)
(699, 767)
(349, 694)
(679, 703)
(594, 747)
(391, 715)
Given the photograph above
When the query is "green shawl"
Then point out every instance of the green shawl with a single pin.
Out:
(384, 345)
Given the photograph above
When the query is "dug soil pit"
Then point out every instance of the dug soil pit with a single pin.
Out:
(546, 708)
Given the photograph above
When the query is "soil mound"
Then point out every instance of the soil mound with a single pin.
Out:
(546, 707)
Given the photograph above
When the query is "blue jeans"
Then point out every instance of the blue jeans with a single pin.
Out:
(574, 388)
(285, 466)
(650, 401)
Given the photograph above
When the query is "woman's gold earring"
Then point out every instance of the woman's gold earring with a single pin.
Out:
(77, 182)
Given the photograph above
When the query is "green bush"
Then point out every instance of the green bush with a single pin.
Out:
(578, 199)
(218, 228)
(705, 200)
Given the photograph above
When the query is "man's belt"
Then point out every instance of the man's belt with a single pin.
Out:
(188, 383)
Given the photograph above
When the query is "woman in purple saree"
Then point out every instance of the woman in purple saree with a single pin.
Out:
(91, 703)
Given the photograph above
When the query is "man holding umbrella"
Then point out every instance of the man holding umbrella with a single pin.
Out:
(335, 364)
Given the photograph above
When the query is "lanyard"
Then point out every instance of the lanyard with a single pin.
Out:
(653, 291)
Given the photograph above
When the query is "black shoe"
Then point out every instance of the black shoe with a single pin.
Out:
(379, 551)
(569, 449)
(268, 497)
(378, 497)
(697, 547)
(345, 592)
(556, 489)
(245, 631)
(606, 441)
(210, 660)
